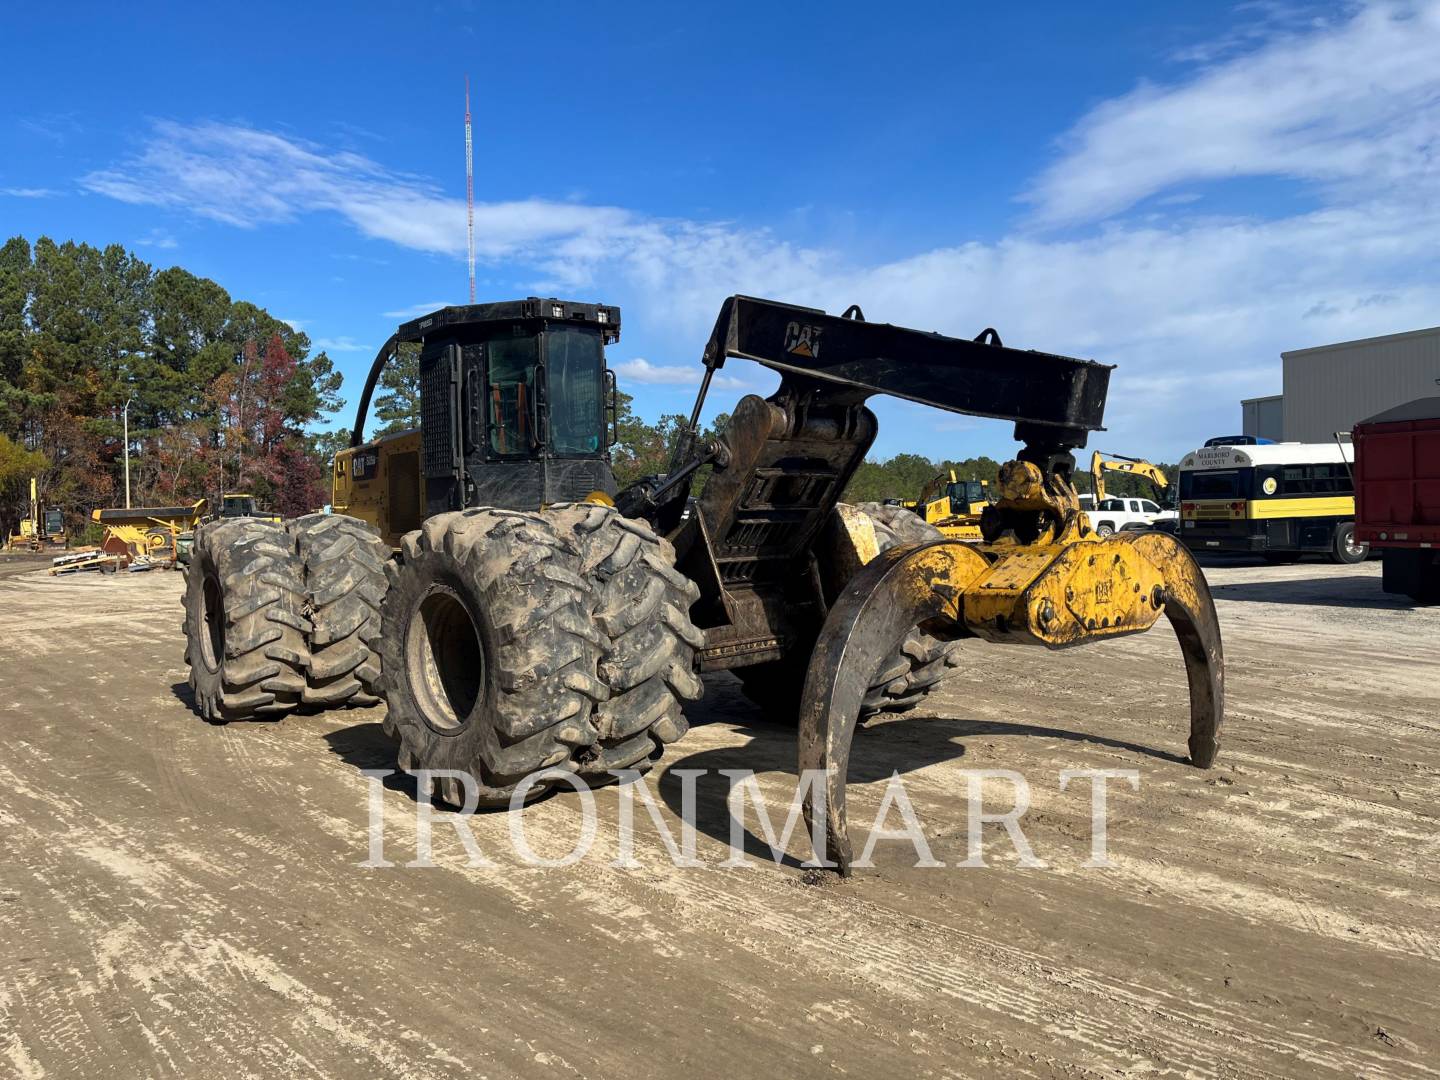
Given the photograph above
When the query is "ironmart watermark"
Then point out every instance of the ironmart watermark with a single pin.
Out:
(895, 819)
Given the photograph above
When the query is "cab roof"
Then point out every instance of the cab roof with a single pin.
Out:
(544, 309)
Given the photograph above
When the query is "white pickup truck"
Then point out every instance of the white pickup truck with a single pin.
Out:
(1116, 513)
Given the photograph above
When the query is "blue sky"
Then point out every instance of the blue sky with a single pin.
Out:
(1181, 190)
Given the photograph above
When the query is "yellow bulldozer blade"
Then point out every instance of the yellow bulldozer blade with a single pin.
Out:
(1052, 594)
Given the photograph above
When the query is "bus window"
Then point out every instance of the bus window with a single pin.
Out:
(1215, 484)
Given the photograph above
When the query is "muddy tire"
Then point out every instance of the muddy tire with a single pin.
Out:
(640, 604)
(488, 657)
(343, 561)
(907, 675)
(245, 623)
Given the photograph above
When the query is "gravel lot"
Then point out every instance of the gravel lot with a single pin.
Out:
(184, 899)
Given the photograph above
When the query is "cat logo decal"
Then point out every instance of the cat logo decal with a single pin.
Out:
(802, 340)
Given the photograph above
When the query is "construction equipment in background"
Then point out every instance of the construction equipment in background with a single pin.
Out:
(147, 532)
(41, 528)
(1101, 463)
(953, 506)
(537, 623)
(240, 505)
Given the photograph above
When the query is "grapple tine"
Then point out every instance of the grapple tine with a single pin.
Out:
(897, 591)
(1191, 612)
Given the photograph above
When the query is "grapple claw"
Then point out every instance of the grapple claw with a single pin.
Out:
(1191, 612)
(902, 588)
(1054, 594)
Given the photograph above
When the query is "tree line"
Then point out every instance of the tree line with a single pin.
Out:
(224, 397)
(221, 394)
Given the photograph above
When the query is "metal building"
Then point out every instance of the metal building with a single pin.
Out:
(1264, 417)
(1330, 388)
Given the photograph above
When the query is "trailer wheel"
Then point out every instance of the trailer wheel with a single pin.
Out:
(641, 605)
(344, 565)
(1344, 548)
(911, 672)
(245, 621)
(487, 652)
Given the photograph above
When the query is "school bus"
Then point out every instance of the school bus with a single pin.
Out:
(1279, 500)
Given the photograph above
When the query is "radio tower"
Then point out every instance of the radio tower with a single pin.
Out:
(469, 192)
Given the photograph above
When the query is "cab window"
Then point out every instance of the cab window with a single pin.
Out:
(510, 395)
(574, 390)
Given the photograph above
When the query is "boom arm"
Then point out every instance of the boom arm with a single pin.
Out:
(1101, 463)
(1053, 399)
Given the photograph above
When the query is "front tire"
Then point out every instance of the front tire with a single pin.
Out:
(244, 621)
(487, 652)
(641, 605)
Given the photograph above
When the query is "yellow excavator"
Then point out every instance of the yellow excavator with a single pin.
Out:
(953, 506)
(1101, 463)
(40, 528)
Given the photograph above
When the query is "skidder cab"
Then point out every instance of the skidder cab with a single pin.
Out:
(517, 410)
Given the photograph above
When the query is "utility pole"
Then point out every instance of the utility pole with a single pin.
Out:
(125, 419)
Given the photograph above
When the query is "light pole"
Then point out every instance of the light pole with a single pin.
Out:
(125, 420)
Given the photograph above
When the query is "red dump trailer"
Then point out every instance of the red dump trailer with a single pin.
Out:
(1397, 495)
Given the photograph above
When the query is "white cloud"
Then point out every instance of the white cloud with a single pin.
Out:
(28, 192)
(642, 371)
(1194, 309)
(341, 345)
(1351, 105)
(158, 238)
(247, 177)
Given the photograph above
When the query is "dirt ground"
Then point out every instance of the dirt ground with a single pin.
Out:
(184, 899)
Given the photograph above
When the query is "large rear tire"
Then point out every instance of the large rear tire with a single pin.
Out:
(487, 654)
(245, 621)
(641, 605)
(344, 566)
(907, 675)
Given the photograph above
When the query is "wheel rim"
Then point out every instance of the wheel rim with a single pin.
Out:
(212, 636)
(1351, 546)
(444, 660)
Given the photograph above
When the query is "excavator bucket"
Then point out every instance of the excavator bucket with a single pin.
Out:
(1054, 594)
